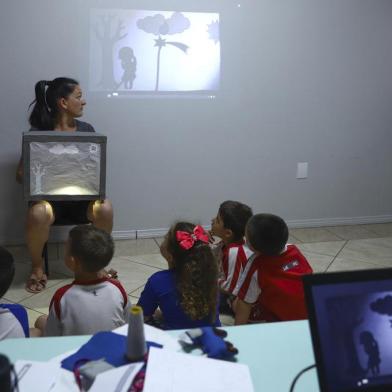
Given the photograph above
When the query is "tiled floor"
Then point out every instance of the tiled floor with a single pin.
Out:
(327, 249)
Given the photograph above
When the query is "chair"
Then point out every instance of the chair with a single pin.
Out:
(60, 222)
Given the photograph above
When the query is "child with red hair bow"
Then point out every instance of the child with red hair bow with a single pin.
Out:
(187, 292)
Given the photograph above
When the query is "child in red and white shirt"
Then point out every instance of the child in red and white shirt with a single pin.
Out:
(93, 302)
(270, 287)
(229, 225)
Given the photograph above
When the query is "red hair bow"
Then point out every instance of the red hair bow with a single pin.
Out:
(187, 240)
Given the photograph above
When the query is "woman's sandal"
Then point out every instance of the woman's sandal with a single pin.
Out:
(35, 285)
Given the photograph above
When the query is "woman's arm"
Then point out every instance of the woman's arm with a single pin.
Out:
(19, 171)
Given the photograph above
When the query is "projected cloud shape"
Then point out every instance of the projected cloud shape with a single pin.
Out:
(213, 31)
(159, 25)
(60, 149)
(382, 305)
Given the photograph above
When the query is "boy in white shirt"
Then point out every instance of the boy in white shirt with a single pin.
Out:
(93, 302)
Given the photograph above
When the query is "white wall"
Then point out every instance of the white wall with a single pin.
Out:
(302, 80)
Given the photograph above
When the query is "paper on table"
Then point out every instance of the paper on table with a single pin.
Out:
(116, 380)
(34, 376)
(154, 335)
(168, 371)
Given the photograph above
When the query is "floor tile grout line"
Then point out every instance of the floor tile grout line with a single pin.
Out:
(375, 232)
(41, 292)
(331, 232)
(155, 240)
(337, 254)
(138, 262)
(294, 237)
(130, 292)
(35, 309)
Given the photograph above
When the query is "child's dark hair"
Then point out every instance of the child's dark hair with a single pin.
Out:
(235, 215)
(267, 234)
(93, 247)
(45, 107)
(7, 270)
(196, 271)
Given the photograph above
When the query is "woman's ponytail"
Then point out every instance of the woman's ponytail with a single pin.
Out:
(40, 116)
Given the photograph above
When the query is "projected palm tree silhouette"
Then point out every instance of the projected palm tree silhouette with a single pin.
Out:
(158, 25)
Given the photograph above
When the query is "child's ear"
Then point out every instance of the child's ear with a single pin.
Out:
(228, 234)
(72, 263)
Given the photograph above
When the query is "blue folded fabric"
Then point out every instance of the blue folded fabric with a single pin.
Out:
(108, 345)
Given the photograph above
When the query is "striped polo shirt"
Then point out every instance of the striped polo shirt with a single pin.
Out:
(233, 262)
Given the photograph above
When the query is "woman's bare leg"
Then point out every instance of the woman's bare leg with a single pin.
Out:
(100, 214)
(39, 219)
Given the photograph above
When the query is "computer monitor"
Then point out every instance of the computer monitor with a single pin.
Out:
(350, 315)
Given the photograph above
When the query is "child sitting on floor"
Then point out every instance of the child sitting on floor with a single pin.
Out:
(270, 287)
(229, 225)
(93, 302)
(13, 317)
(187, 292)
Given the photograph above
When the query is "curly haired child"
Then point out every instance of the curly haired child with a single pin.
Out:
(187, 292)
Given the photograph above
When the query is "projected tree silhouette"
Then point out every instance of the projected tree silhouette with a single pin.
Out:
(158, 25)
(107, 39)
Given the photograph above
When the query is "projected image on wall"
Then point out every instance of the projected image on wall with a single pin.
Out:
(135, 51)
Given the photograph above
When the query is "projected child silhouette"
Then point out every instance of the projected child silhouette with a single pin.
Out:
(158, 25)
(128, 64)
(370, 346)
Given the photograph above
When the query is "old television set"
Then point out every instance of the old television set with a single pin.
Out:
(64, 165)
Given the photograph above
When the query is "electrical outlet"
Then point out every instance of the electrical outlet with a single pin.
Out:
(302, 170)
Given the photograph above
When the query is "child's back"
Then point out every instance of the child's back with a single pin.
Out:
(186, 293)
(275, 284)
(92, 303)
(13, 321)
(161, 291)
(13, 317)
(270, 287)
(83, 308)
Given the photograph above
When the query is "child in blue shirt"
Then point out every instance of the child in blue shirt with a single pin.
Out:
(13, 317)
(186, 293)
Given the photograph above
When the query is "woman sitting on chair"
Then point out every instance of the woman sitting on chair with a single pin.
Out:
(58, 104)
